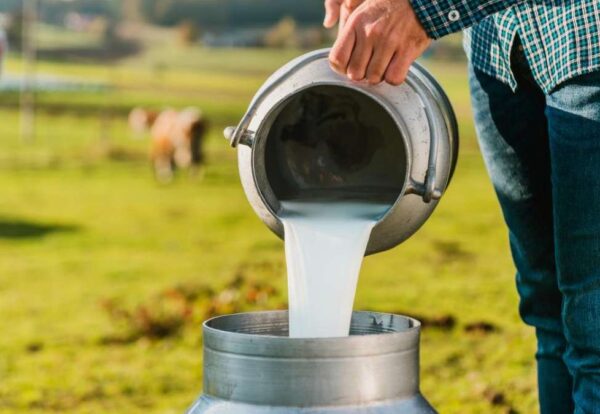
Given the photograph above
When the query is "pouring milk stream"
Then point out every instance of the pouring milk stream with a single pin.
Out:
(340, 170)
(324, 246)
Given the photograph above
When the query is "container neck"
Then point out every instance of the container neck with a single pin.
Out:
(369, 367)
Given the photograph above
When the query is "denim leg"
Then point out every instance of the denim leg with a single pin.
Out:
(513, 135)
(573, 114)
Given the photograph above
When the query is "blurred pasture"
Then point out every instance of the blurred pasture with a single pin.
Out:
(106, 276)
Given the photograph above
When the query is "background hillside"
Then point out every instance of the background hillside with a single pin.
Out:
(213, 14)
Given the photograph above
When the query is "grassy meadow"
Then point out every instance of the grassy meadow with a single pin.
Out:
(90, 243)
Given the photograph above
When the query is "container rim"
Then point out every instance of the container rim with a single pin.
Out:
(389, 333)
(413, 324)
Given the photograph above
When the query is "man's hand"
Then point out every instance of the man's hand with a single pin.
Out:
(379, 41)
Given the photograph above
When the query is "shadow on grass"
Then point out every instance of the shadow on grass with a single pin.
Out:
(12, 228)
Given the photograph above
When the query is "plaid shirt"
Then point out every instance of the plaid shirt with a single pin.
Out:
(561, 39)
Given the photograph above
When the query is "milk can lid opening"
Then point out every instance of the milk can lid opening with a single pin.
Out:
(332, 141)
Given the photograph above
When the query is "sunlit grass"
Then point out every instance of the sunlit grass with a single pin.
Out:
(112, 232)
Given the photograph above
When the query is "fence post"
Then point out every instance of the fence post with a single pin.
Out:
(29, 61)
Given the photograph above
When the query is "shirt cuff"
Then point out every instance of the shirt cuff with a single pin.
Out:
(442, 17)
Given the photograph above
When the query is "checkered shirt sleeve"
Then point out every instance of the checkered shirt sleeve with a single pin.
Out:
(442, 17)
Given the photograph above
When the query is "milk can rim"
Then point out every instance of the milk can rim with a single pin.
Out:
(272, 346)
(415, 326)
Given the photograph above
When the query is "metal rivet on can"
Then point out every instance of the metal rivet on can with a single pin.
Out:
(453, 15)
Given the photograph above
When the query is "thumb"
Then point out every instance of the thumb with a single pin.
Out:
(332, 12)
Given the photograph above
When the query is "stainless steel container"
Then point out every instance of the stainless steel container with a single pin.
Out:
(251, 366)
(310, 132)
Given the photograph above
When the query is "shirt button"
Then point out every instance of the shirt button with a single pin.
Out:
(453, 16)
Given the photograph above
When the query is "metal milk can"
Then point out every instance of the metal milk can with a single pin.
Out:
(251, 366)
(310, 132)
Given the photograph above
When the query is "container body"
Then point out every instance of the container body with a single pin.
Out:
(252, 366)
(414, 405)
(309, 129)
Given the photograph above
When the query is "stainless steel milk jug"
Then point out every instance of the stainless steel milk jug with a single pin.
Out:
(310, 132)
(251, 366)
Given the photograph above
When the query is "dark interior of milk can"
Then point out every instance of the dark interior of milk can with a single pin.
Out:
(335, 142)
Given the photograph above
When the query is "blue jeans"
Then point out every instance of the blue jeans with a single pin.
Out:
(542, 152)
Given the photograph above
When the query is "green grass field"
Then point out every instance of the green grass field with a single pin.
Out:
(82, 222)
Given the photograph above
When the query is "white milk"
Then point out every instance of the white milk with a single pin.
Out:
(324, 247)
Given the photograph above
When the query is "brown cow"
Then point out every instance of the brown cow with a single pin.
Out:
(177, 139)
(140, 120)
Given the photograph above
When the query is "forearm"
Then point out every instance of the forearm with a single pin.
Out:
(442, 17)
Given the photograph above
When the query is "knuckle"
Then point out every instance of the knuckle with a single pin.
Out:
(373, 31)
(356, 19)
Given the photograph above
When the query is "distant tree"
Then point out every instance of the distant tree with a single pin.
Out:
(188, 32)
(155, 11)
(110, 34)
(226, 14)
(15, 30)
(132, 10)
(7, 6)
(283, 35)
(313, 37)
(54, 11)
(210, 14)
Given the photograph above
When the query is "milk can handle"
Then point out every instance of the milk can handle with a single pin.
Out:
(428, 190)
